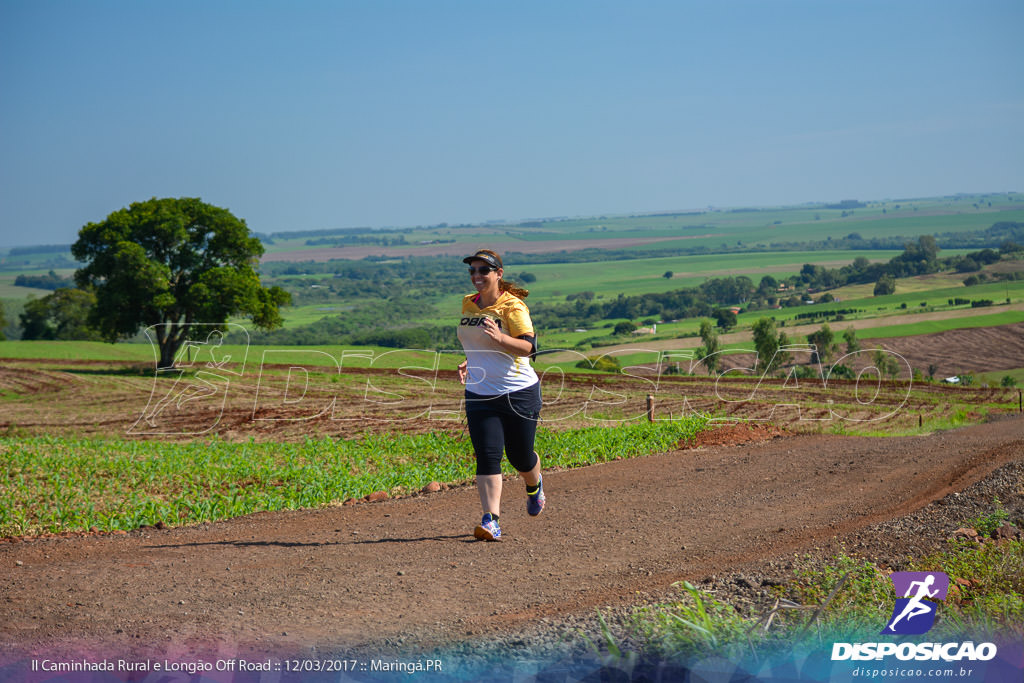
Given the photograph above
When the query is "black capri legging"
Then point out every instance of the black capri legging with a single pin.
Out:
(507, 422)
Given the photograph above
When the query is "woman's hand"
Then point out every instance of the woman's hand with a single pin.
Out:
(462, 371)
(492, 330)
(509, 344)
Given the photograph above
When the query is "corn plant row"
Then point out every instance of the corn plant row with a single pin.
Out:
(57, 484)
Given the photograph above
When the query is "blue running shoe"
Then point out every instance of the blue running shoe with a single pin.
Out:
(535, 501)
(487, 529)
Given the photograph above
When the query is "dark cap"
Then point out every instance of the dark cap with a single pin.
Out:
(485, 257)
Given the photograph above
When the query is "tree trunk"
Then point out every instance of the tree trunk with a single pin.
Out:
(170, 336)
(168, 347)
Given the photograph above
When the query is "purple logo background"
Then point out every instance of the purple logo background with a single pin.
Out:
(902, 581)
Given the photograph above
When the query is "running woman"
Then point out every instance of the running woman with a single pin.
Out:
(502, 390)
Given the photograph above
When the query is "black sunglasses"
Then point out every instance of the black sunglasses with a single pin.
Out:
(483, 270)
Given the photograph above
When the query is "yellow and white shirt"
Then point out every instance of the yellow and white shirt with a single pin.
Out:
(492, 370)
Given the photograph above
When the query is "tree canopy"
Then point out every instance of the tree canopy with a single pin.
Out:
(625, 327)
(707, 352)
(825, 346)
(850, 337)
(172, 264)
(771, 353)
(725, 318)
(886, 285)
(62, 315)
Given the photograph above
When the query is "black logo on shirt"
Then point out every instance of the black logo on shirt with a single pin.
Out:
(476, 322)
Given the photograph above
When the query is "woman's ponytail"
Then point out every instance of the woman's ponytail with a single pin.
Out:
(513, 289)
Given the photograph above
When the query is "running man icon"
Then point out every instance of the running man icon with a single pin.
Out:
(915, 607)
(919, 590)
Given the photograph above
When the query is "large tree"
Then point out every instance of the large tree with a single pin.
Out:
(173, 263)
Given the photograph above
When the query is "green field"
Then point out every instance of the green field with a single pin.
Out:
(995, 377)
(40, 262)
(297, 316)
(8, 290)
(76, 350)
(56, 484)
(640, 276)
(12, 293)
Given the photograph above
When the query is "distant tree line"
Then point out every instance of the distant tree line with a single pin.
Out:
(40, 249)
(361, 239)
(49, 281)
(270, 238)
(918, 258)
(414, 276)
(376, 324)
(810, 315)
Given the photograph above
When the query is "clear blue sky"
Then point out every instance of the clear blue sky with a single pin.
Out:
(313, 115)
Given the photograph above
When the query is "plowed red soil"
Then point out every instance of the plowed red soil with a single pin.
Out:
(409, 573)
(955, 352)
(76, 399)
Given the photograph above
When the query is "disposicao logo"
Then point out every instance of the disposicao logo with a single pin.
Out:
(914, 614)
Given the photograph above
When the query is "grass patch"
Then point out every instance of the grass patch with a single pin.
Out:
(695, 623)
(986, 595)
(53, 484)
(846, 599)
(996, 378)
(641, 276)
(958, 418)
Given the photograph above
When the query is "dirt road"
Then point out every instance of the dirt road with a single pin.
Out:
(408, 573)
